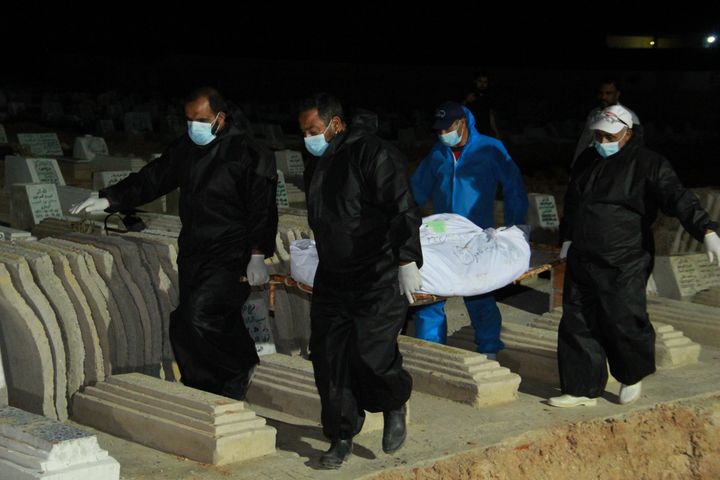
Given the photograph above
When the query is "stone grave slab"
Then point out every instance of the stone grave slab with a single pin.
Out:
(88, 146)
(36, 447)
(174, 418)
(140, 286)
(94, 367)
(103, 288)
(83, 270)
(32, 203)
(26, 354)
(457, 374)
(53, 290)
(682, 276)
(41, 144)
(109, 268)
(286, 384)
(32, 170)
(24, 284)
(290, 163)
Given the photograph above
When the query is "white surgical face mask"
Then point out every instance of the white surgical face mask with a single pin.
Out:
(201, 132)
(609, 148)
(452, 138)
(316, 144)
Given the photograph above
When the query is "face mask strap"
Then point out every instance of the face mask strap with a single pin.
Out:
(214, 129)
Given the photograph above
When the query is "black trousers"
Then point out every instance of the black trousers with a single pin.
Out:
(355, 356)
(207, 332)
(604, 318)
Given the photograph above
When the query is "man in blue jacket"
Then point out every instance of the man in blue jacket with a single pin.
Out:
(461, 175)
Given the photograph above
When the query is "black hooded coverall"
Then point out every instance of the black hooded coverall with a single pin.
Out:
(610, 206)
(365, 223)
(227, 208)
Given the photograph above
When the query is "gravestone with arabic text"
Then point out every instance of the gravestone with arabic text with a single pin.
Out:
(32, 170)
(682, 276)
(41, 144)
(32, 203)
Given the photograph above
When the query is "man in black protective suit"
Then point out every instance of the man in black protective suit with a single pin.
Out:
(366, 227)
(229, 220)
(615, 191)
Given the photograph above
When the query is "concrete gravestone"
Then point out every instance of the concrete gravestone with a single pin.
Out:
(13, 234)
(290, 162)
(681, 276)
(3, 135)
(38, 447)
(256, 316)
(87, 147)
(174, 418)
(70, 196)
(543, 218)
(31, 203)
(544, 211)
(281, 196)
(41, 143)
(105, 179)
(32, 170)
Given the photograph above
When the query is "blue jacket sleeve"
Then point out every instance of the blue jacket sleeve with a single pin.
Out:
(422, 181)
(515, 199)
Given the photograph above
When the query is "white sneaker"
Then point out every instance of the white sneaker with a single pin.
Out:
(629, 393)
(567, 401)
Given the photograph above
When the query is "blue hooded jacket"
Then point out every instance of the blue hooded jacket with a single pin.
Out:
(467, 186)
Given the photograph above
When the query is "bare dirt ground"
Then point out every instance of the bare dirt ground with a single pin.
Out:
(668, 442)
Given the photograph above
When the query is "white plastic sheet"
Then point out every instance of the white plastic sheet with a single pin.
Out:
(459, 258)
(462, 259)
(303, 261)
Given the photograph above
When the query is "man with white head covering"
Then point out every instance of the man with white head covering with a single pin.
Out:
(608, 95)
(614, 195)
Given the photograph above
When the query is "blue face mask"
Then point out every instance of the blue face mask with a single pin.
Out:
(200, 132)
(610, 148)
(451, 139)
(316, 144)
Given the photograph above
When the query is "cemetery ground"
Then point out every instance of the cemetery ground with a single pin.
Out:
(672, 432)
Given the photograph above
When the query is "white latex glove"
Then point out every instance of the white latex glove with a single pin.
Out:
(92, 204)
(257, 271)
(410, 280)
(564, 249)
(712, 246)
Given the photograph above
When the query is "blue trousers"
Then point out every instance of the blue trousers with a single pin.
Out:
(431, 322)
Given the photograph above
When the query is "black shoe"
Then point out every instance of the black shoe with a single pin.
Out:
(394, 430)
(340, 450)
(237, 387)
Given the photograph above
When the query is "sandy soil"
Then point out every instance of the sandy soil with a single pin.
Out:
(667, 442)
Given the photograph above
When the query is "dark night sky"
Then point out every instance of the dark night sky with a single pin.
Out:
(396, 57)
(441, 33)
(377, 50)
